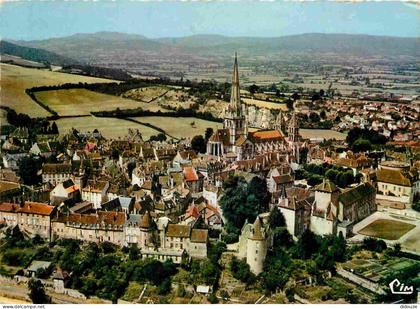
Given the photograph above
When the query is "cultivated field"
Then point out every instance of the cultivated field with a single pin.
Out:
(319, 133)
(265, 104)
(15, 79)
(145, 94)
(71, 102)
(180, 126)
(109, 127)
(387, 229)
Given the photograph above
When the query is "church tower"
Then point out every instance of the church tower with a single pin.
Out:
(293, 129)
(293, 137)
(235, 120)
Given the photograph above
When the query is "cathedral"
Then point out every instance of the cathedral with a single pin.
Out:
(235, 143)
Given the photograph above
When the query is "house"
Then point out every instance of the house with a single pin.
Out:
(22, 134)
(396, 182)
(356, 203)
(8, 214)
(193, 180)
(121, 203)
(12, 160)
(98, 227)
(55, 173)
(95, 192)
(279, 177)
(43, 149)
(35, 219)
(65, 190)
(60, 279)
(36, 267)
(197, 246)
(9, 191)
(176, 236)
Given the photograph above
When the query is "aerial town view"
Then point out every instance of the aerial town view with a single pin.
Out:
(209, 152)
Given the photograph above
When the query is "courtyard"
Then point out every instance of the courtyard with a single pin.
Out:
(387, 229)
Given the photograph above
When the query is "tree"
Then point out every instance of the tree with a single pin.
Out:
(28, 170)
(54, 128)
(253, 88)
(213, 299)
(198, 144)
(130, 167)
(295, 96)
(115, 154)
(307, 244)
(37, 292)
(373, 244)
(361, 145)
(315, 97)
(133, 253)
(314, 117)
(241, 271)
(323, 114)
(281, 238)
(215, 251)
(289, 104)
(276, 218)
(165, 286)
(331, 174)
(209, 272)
(208, 134)
(258, 188)
(237, 206)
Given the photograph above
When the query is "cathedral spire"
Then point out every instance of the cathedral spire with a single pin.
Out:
(235, 98)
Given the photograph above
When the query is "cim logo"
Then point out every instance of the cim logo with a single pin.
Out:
(399, 288)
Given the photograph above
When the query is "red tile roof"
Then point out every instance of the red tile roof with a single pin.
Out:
(190, 174)
(269, 134)
(36, 209)
(8, 207)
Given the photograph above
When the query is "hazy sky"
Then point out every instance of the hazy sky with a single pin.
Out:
(40, 20)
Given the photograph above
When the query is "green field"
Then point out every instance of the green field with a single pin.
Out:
(180, 126)
(71, 102)
(386, 229)
(15, 79)
(109, 127)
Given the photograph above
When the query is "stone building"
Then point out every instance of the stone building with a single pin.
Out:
(234, 142)
(31, 218)
(55, 173)
(253, 245)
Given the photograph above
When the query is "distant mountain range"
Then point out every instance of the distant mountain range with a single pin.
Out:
(87, 45)
(138, 53)
(34, 54)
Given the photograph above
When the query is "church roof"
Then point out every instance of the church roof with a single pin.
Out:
(240, 140)
(265, 135)
(221, 135)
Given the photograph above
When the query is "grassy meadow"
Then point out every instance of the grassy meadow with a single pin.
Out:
(71, 102)
(180, 126)
(109, 127)
(265, 104)
(15, 79)
(319, 133)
